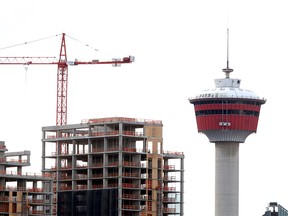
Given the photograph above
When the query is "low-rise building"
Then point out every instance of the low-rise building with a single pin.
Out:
(22, 193)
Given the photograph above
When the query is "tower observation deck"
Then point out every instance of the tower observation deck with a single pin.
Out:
(227, 115)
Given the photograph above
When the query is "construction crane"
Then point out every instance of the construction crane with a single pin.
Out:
(62, 73)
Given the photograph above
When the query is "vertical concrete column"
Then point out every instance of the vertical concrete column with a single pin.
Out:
(51, 197)
(10, 202)
(154, 136)
(120, 160)
(43, 151)
(19, 201)
(182, 186)
(89, 171)
(2, 167)
(58, 162)
(19, 168)
(226, 179)
(73, 162)
(105, 159)
(105, 147)
(105, 164)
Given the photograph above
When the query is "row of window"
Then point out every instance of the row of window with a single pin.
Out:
(229, 112)
(250, 102)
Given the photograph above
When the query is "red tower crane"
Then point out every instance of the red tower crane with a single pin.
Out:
(62, 73)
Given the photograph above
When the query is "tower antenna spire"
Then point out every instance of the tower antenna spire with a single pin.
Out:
(227, 70)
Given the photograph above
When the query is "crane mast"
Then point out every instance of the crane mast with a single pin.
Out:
(62, 73)
(62, 84)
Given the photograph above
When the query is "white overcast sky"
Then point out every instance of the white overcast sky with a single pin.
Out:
(180, 48)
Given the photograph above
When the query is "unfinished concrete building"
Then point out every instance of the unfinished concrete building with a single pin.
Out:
(22, 193)
(113, 167)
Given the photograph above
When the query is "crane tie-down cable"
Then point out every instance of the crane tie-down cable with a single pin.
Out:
(87, 45)
(29, 42)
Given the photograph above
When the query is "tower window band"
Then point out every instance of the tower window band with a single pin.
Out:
(229, 112)
(252, 102)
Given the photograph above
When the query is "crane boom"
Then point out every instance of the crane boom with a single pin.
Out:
(28, 60)
(17, 60)
(62, 73)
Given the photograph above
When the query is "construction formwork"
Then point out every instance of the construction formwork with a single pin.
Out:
(114, 167)
(22, 193)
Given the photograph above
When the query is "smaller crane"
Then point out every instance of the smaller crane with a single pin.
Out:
(62, 73)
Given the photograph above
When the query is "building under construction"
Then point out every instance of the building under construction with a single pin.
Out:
(22, 193)
(113, 167)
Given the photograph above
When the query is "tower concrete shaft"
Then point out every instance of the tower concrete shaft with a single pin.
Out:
(226, 179)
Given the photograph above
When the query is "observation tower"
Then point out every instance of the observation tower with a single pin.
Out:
(227, 115)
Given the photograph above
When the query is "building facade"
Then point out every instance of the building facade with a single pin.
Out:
(275, 209)
(114, 167)
(22, 193)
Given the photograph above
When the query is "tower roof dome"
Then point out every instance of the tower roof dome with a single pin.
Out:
(227, 88)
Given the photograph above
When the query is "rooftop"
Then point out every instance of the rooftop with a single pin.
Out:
(227, 88)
